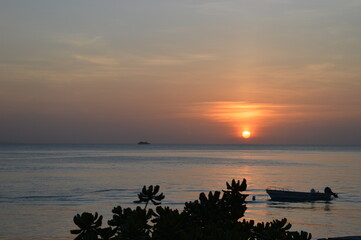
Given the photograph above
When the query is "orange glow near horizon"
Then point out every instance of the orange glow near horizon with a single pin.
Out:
(240, 116)
(243, 118)
(264, 121)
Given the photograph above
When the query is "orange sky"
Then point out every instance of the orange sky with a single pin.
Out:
(180, 72)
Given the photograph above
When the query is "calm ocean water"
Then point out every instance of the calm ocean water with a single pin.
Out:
(43, 186)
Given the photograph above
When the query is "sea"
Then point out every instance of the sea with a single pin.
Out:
(43, 186)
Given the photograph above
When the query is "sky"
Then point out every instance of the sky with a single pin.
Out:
(180, 72)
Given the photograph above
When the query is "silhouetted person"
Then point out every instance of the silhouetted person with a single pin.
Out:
(329, 191)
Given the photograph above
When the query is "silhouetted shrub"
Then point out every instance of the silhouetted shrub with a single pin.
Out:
(212, 217)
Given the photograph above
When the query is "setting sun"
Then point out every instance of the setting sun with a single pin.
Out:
(246, 134)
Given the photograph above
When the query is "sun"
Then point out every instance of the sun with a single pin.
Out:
(246, 134)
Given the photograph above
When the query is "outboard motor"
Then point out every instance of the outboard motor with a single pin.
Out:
(329, 191)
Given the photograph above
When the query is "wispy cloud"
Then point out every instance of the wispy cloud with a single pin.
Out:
(214, 8)
(79, 40)
(96, 60)
(320, 67)
(177, 59)
(229, 111)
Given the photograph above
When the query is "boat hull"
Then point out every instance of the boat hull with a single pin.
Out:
(281, 195)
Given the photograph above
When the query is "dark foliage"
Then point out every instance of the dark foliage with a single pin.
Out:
(89, 225)
(215, 216)
(131, 223)
(149, 194)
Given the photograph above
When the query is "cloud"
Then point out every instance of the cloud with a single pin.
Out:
(177, 60)
(105, 61)
(214, 8)
(320, 67)
(80, 40)
(231, 111)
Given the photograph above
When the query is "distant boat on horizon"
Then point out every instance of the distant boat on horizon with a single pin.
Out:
(143, 142)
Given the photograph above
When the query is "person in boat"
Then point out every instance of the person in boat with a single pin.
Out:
(329, 191)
